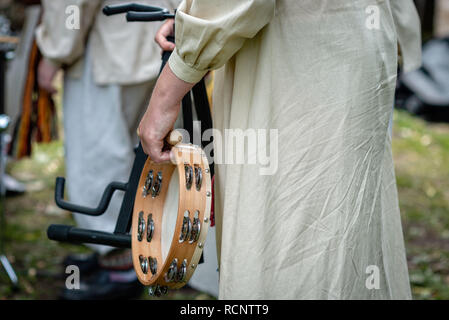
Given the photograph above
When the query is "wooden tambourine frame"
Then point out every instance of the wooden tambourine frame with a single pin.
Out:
(194, 203)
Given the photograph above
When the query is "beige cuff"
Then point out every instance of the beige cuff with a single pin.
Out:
(183, 71)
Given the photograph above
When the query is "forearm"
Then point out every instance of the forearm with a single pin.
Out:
(169, 88)
(161, 113)
(165, 102)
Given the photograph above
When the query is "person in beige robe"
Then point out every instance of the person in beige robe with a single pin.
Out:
(326, 223)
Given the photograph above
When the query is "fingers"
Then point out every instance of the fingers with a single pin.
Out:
(164, 43)
(165, 155)
(161, 36)
(154, 149)
(156, 154)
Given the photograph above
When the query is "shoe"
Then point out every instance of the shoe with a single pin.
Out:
(106, 285)
(12, 186)
(87, 263)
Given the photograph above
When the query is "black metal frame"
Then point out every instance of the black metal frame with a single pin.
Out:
(120, 237)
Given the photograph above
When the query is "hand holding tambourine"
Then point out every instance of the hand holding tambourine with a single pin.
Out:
(171, 217)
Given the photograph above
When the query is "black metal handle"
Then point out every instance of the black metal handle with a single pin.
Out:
(71, 234)
(148, 16)
(99, 210)
(123, 8)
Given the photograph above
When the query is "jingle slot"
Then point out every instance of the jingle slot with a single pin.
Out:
(155, 290)
(153, 265)
(196, 228)
(198, 177)
(140, 226)
(186, 228)
(189, 176)
(157, 185)
(164, 290)
(148, 183)
(158, 291)
(143, 264)
(150, 227)
(181, 275)
(172, 271)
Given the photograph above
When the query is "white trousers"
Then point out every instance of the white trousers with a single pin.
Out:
(100, 134)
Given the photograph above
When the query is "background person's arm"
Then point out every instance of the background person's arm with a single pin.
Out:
(58, 37)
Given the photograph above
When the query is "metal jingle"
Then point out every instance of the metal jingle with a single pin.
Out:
(143, 264)
(186, 228)
(181, 275)
(198, 178)
(157, 291)
(157, 185)
(172, 271)
(150, 227)
(140, 226)
(148, 183)
(189, 176)
(153, 265)
(196, 228)
(164, 289)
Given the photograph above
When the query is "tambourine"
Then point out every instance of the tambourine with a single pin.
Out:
(171, 217)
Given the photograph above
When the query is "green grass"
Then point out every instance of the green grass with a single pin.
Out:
(421, 155)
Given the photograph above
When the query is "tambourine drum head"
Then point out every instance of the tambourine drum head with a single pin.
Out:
(170, 214)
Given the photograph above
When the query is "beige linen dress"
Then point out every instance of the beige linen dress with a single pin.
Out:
(326, 224)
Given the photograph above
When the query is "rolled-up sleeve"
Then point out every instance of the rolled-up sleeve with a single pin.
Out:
(56, 40)
(209, 32)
